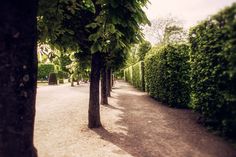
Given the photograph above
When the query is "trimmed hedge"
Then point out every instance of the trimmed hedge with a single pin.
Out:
(128, 74)
(213, 69)
(52, 80)
(135, 75)
(61, 75)
(167, 75)
(138, 76)
(204, 79)
(44, 70)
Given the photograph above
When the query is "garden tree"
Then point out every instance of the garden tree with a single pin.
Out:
(109, 19)
(61, 25)
(50, 54)
(143, 48)
(115, 62)
(53, 31)
(173, 34)
(63, 60)
(112, 61)
(51, 16)
(45, 50)
(18, 61)
(104, 85)
(120, 20)
(73, 69)
(165, 30)
(79, 67)
(71, 29)
(132, 56)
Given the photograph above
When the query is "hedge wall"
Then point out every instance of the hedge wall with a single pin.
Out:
(167, 75)
(138, 75)
(135, 75)
(213, 69)
(128, 74)
(44, 70)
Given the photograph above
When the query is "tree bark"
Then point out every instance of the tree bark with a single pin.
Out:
(104, 99)
(108, 76)
(72, 82)
(18, 77)
(112, 80)
(78, 82)
(94, 106)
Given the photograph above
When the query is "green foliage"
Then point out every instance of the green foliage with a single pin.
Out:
(119, 74)
(118, 24)
(116, 60)
(135, 75)
(60, 74)
(52, 80)
(144, 47)
(44, 70)
(167, 75)
(132, 57)
(138, 76)
(213, 69)
(128, 74)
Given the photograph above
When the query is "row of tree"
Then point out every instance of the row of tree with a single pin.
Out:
(99, 31)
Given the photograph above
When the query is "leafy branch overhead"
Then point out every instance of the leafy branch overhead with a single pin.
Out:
(118, 25)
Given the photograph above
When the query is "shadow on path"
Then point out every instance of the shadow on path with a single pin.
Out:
(150, 129)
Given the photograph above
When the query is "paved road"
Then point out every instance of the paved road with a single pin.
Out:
(134, 125)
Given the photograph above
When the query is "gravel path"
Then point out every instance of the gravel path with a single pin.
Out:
(134, 125)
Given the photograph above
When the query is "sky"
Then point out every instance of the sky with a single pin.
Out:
(188, 11)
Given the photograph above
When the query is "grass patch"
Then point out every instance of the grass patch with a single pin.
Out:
(42, 83)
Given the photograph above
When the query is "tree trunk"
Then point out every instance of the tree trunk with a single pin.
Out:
(72, 82)
(104, 99)
(18, 77)
(94, 106)
(108, 76)
(112, 80)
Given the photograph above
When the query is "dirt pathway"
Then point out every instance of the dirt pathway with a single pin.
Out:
(134, 125)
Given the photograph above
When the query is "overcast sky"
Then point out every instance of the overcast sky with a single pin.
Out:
(188, 11)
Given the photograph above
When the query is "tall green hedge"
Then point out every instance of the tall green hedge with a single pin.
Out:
(128, 74)
(213, 69)
(138, 75)
(135, 75)
(44, 70)
(167, 75)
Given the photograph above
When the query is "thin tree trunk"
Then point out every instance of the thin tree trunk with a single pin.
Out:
(110, 75)
(112, 80)
(108, 83)
(72, 82)
(104, 99)
(94, 106)
(109, 86)
(18, 77)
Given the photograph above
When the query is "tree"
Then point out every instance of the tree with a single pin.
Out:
(64, 25)
(143, 48)
(93, 28)
(117, 26)
(165, 30)
(104, 82)
(132, 56)
(18, 77)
